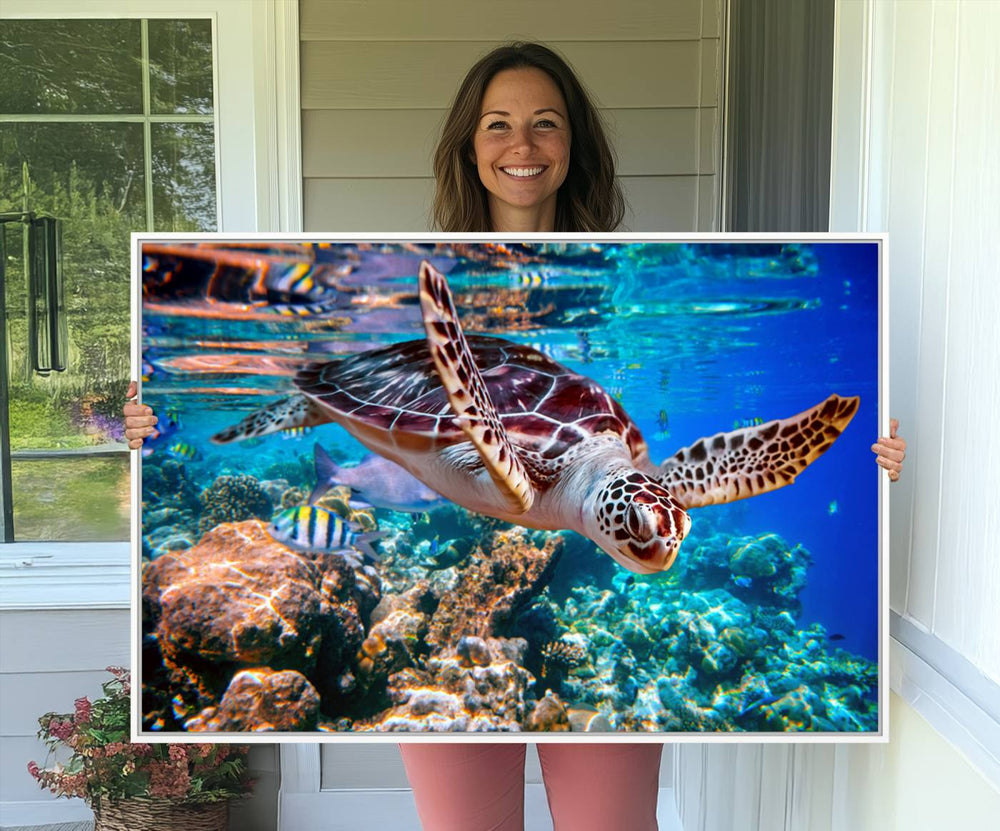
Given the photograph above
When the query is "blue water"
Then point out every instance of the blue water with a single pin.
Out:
(692, 338)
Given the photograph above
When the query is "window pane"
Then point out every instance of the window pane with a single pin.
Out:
(91, 177)
(180, 66)
(70, 66)
(184, 177)
(72, 499)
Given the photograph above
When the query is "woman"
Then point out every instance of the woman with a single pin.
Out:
(523, 150)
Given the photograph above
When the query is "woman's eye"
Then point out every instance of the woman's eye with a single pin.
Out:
(545, 122)
(496, 125)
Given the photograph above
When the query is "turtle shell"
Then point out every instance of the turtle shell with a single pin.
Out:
(544, 407)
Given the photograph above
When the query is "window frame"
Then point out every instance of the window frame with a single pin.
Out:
(259, 188)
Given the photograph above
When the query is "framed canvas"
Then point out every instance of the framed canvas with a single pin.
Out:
(566, 488)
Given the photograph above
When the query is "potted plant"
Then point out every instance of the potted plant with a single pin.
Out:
(153, 787)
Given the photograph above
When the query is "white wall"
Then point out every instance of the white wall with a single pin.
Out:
(919, 158)
(917, 782)
(934, 185)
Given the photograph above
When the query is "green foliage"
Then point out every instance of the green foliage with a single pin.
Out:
(104, 765)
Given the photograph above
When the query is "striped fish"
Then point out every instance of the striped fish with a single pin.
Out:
(311, 528)
(183, 450)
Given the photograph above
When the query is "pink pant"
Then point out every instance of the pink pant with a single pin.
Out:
(480, 787)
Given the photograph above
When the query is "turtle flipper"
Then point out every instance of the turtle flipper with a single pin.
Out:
(755, 460)
(293, 411)
(467, 393)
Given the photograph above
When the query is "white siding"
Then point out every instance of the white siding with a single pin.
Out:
(377, 79)
(47, 660)
(935, 187)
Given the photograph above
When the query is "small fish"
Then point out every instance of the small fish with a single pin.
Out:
(447, 554)
(377, 482)
(183, 450)
(760, 702)
(743, 582)
(164, 428)
(832, 508)
(295, 432)
(297, 280)
(317, 529)
(532, 279)
(301, 309)
(173, 412)
(663, 423)
(836, 636)
(742, 423)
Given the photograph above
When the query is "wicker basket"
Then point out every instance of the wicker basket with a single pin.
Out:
(161, 815)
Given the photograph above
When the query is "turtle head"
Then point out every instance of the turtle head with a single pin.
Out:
(637, 521)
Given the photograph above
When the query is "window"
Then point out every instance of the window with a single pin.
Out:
(109, 126)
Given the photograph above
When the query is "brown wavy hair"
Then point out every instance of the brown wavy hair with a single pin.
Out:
(590, 199)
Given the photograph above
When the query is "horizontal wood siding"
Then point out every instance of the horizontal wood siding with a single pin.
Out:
(403, 20)
(48, 659)
(378, 77)
(426, 74)
(367, 143)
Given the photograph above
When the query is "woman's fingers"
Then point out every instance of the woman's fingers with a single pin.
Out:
(139, 419)
(890, 449)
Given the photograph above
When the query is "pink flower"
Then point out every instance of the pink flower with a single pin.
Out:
(34, 770)
(177, 753)
(168, 779)
(62, 730)
(83, 710)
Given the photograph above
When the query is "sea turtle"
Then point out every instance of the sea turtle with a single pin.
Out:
(504, 430)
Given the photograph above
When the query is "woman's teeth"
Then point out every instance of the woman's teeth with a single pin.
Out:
(523, 171)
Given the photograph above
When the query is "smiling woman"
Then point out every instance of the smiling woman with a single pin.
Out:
(523, 149)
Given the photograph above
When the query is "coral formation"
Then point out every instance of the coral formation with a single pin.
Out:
(483, 644)
(233, 498)
(495, 587)
(238, 599)
(261, 700)
(448, 696)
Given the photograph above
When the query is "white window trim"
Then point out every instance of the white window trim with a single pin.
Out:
(260, 189)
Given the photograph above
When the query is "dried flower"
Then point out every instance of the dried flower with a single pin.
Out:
(104, 765)
(83, 710)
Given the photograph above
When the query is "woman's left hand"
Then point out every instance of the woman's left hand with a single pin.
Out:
(890, 451)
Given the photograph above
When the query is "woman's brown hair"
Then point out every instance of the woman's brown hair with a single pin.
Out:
(590, 198)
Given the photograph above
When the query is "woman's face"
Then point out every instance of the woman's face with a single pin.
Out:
(521, 147)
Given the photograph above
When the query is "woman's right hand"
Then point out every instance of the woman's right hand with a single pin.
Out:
(139, 419)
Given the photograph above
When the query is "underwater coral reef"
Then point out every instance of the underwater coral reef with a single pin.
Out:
(464, 623)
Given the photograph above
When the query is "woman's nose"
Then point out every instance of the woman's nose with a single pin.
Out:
(521, 139)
